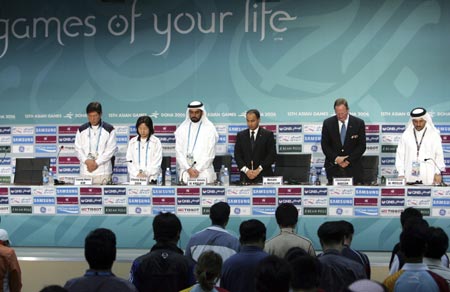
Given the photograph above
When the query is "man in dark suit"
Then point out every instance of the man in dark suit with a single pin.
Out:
(343, 143)
(254, 150)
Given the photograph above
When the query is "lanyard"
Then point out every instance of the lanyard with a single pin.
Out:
(418, 144)
(98, 139)
(196, 136)
(146, 153)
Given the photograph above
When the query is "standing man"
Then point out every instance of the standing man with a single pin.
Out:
(343, 143)
(196, 140)
(254, 150)
(419, 156)
(95, 144)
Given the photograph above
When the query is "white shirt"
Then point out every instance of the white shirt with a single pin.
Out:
(145, 155)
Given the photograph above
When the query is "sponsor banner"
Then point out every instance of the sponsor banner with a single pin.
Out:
(66, 191)
(23, 130)
(240, 211)
(69, 169)
(444, 129)
(445, 139)
(290, 128)
(5, 210)
(315, 211)
(290, 148)
(233, 201)
(4, 200)
(287, 191)
(289, 138)
(120, 170)
(388, 161)
(440, 212)
(222, 139)
(261, 211)
(391, 212)
(372, 149)
(45, 139)
(312, 128)
(114, 200)
(424, 211)
(91, 200)
(312, 138)
(341, 202)
(372, 129)
(67, 129)
(267, 191)
(340, 211)
(367, 192)
(91, 210)
(162, 209)
(389, 171)
(413, 192)
(441, 202)
(23, 149)
(66, 139)
(393, 128)
(19, 191)
(68, 160)
(388, 148)
(163, 201)
(163, 192)
(4, 191)
(258, 201)
(393, 192)
(209, 201)
(234, 129)
(69, 210)
(141, 200)
(441, 192)
(44, 200)
(208, 191)
(239, 191)
(365, 201)
(186, 211)
(120, 139)
(90, 191)
(221, 129)
(142, 191)
(44, 210)
(5, 149)
(5, 130)
(290, 200)
(68, 149)
(391, 139)
(341, 191)
(121, 130)
(116, 210)
(366, 211)
(45, 148)
(166, 139)
(162, 129)
(21, 209)
(231, 139)
(372, 139)
(272, 128)
(45, 130)
(188, 201)
(5, 170)
(311, 191)
(392, 202)
(446, 148)
(67, 200)
(221, 149)
(20, 200)
(139, 210)
(5, 140)
(5, 179)
(114, 191)
(188, 191)
(206, 211)
(23, 139)
(315, 201)
(418, 202)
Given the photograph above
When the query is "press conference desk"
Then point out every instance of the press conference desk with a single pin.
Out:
(62, 215)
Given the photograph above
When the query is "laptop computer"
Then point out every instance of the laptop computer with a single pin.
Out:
(29, 170)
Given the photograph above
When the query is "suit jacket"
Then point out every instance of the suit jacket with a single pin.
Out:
(263, 154)
(354, 146)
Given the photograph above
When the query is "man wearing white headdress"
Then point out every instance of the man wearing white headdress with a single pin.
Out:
(196, 140)
(419, 156)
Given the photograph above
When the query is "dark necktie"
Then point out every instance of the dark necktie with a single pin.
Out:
(343, 133)
(252, 139)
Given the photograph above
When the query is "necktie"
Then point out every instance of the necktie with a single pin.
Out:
(343, 133)
(252, 139)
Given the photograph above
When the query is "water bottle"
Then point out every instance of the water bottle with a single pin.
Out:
(225, 177)
(323, 177)
(159, 181)
(45, 175)
(51, 179)
(168, 177)
(222, 169)
(312, 175)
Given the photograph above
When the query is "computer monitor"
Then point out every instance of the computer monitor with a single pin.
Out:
(293, 167)
(29, 170)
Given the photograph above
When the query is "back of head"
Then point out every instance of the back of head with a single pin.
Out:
(166, 227)
(208, 269)
(286, 215)
(306, 272)
(273, 274)
(219, 213)
(53, 288)
(100, 249)
(4, 237)
(252, 231)
(365, 285)
(408, 213)
(331, 232)
(413, 238)
(437, 243)
(94, 107)
(348, 230)
(294, 252)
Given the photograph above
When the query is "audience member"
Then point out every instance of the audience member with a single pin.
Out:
(100, 253)
(53, 288)
(351, 253)
(273, 274)
(207, 273)
(287, 218)
(306, 273)
(214, 237)
(164, 268)
(295, 252)
(366, 285)
(337, 271)
(10, 274)
(437, 245)
(239, 270)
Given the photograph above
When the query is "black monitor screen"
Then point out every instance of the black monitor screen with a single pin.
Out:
(29, 170)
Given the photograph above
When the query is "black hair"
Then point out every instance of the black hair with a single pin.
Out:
(414, 237)
(347, 227)
(294, 252)
(273, 274)
(208, 269)
(408, 213)
(166, 227)
(94, 106)
(331, 232)
(53, 288)
(255, 112)
(340, 101)
(286, 215)
(148, 122)
(437, 243)
(100, 249)
(219, 213)
(306, 271)
(252, 231)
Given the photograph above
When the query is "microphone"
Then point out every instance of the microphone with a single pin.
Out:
(437, 167)
(56, 181)
(129, 161)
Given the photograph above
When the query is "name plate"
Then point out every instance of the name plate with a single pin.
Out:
(196, 182)
(138, 181)
(395, 181)
(272, 180)
(81, 181)
(343, 181)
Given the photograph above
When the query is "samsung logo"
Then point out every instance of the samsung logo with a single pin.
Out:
(44, 201)
(264, 191)
(444, 129)
(45, 130)
(441, 202)
(120, 170)
(23, 140)
(236, 129)
(139, 201)
(163, 191)
(341, 201)
(312, 138)
(238, 201)
(66, 191)
(122, 139)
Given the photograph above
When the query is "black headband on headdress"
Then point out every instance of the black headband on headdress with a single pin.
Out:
(418, 112)
(195, 104)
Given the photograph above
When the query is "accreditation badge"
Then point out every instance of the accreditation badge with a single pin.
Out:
(415, 168)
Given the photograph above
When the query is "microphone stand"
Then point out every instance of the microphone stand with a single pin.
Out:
(442, 184)
(56, 181)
